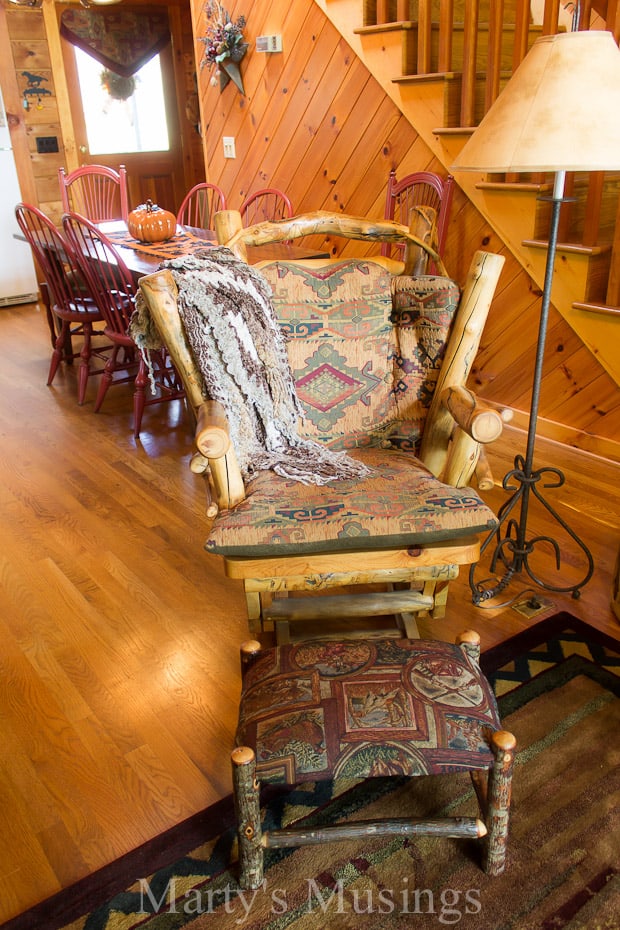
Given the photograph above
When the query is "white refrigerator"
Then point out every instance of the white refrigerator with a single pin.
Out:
(18, 282)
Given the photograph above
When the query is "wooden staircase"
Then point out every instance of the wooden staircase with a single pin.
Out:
(443, 63)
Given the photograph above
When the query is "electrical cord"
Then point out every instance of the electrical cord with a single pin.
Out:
(533, 603)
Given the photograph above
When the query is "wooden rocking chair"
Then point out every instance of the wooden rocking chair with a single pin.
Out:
(380, 360)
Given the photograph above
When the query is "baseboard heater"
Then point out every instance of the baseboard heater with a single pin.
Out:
(19, 299)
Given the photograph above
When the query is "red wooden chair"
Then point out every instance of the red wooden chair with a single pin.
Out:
(268, 204)
(200, 205)
(422, 188)
(70, 299)
(96, 192)
(113, 288)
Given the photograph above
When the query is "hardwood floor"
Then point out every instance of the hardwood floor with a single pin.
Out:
(119, 635)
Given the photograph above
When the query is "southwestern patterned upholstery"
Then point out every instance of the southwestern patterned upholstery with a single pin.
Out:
(362, 708)
(400, 504)
(365, 348)
(364, 364)
(329, 709)
(380, 363)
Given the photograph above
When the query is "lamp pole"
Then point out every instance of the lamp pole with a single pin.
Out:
(528, 128)
(513, 548)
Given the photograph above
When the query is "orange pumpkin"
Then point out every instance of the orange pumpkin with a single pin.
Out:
(149, 223)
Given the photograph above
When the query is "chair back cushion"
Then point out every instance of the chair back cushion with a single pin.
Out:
(423, 310)
(364, 367)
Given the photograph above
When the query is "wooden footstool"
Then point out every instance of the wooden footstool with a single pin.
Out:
(319, 710)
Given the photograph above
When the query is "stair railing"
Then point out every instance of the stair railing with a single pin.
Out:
(481, 43)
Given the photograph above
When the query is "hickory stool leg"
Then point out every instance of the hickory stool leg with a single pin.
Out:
(469, 641)
(498, 801)
(247, 810)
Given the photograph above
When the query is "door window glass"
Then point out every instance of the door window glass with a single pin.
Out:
(122, 114)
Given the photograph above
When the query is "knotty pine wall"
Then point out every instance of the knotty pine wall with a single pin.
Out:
(315, 123)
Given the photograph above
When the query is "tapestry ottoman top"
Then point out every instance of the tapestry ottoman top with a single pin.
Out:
(324, 709)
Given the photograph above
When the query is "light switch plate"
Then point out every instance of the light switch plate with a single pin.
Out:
(229, 147)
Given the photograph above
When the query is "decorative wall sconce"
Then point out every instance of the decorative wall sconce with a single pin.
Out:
(225, 45)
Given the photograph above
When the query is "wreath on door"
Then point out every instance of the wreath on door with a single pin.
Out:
(118, 86)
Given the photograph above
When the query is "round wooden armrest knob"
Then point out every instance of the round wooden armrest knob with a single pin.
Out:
(250, 647)
(504, 740)
(212, 437)
(486, 425)
(198, 464)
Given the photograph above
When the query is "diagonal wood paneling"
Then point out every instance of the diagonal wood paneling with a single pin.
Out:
(316, 123)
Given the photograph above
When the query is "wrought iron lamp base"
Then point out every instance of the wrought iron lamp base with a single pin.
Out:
(512, 546)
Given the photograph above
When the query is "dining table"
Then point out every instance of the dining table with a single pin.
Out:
(144, 258)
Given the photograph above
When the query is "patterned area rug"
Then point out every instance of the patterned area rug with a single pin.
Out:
(558, 689)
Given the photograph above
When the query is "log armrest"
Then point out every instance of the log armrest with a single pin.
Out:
(217, 456)
(482, 423)
(212, 435)
(476, 425)
(476, 297)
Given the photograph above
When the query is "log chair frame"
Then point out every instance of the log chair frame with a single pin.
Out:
(457, 427)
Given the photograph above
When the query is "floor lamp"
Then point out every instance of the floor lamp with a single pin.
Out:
(558, 113)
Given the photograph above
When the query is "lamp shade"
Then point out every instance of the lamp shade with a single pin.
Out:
(560, 111)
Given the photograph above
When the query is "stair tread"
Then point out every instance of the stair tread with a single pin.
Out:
(454, 130)
(575, 247)
(433, 76)
(524, 186)
(439, 76)
(597, 308)
(385, 27)
(397, 24)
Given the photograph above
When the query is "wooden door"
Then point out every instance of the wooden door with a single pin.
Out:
(155, 175)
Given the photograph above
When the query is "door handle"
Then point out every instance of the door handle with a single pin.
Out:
(83, 150)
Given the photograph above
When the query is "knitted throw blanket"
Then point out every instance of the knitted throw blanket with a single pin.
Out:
(231, 327)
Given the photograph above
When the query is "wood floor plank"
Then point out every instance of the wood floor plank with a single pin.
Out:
(24, 863)
(62, 853)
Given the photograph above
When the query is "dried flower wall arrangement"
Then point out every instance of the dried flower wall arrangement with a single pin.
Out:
(224, 43)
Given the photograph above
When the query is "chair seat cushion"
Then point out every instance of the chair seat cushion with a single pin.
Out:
(325, 709)
(401, 504)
